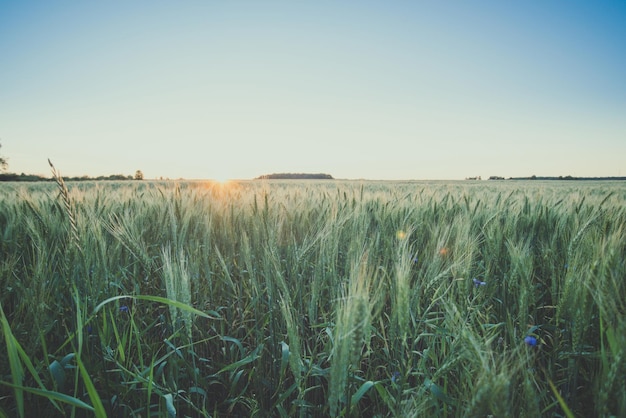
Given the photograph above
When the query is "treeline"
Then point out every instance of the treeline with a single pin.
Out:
(295, 176)
(558, 178)
(34, 177)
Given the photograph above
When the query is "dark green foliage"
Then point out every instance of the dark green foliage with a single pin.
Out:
(295, 176)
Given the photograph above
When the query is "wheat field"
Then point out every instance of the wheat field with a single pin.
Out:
(313, 299)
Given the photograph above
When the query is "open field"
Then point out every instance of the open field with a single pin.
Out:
(304, 298)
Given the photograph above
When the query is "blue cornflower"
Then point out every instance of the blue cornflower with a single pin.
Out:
(124, 309)
(530, 341)
(478, 283)
(395, 377)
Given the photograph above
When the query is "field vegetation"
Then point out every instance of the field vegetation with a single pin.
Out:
(313, 298)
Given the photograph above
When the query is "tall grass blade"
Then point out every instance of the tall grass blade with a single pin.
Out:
(17, 372)
(53, 396)
(210, 314)
(98, 408)
(559, 398)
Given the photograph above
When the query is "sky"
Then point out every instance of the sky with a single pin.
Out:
(390, 90)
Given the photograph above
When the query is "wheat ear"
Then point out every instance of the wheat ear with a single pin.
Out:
(65, 194)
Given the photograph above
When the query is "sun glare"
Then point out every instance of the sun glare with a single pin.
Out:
(222, 180)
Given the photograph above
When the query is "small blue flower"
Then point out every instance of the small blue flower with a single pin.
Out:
(530, 341)
(395, 377)
(478, 283)
(124, 309)
(415, 260)
(89, 329)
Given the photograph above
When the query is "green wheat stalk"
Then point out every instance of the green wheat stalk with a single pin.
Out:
(69, 210)
(351, 333)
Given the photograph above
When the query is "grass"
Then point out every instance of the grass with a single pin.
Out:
(279, 298)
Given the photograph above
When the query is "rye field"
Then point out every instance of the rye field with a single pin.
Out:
(313, 299)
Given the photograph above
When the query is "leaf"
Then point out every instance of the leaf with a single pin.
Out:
(57, 369)
(150, 380)
(286, 394)
(169, 404)
(198, 390)
(58, 373)
(159, 371)
(438, 392)
(17, 372)
(236, 342)
(612, 340)
(65, 360)
(33, 372)
(360, 393)
(281, 411)
(175, 349)
(79, 319)
(235, 380)
(159, 299)
(91, 390)
(284, 358)
(52, 396)
(559, 398)
(385, 396)
(248, 359)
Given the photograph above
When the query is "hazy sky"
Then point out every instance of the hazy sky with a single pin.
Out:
(377, 90)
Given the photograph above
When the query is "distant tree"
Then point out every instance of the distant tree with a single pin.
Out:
(3, 162)
(118, 177)
(295, 176)
(138, 175)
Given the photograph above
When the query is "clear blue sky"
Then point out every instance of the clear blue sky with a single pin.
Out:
(377, 90)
